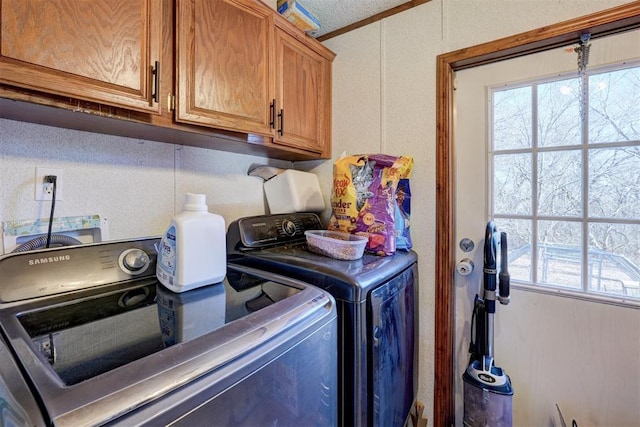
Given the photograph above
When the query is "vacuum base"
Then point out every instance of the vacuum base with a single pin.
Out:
(488, 397)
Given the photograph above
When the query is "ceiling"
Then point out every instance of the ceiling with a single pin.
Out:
(335, 15)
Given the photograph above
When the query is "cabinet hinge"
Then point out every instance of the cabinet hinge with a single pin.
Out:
(171, 102)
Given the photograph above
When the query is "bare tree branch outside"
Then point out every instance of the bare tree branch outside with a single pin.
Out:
(566, 186)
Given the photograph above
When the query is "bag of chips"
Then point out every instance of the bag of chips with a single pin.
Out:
(403, 204)
(363, 199)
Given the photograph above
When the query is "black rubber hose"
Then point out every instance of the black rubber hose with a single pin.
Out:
(41, 242)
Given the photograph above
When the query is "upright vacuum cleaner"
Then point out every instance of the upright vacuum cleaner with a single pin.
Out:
(488, 393)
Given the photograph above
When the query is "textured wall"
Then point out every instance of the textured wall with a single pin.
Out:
(136, 185)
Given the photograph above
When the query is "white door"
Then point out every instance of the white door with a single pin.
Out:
(580, 354)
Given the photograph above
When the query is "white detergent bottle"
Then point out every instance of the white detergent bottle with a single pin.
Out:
(192, 251)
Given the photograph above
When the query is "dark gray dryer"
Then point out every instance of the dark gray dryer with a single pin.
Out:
(377, 312)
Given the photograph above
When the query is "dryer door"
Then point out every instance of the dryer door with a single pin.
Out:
(393, 349)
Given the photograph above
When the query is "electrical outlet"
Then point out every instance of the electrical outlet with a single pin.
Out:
(44, 190)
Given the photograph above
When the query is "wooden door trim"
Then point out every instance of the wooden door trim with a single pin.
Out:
(610, 21)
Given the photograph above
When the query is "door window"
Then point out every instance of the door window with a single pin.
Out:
(565, 180)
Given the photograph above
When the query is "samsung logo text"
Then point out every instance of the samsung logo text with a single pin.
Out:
(49, 260)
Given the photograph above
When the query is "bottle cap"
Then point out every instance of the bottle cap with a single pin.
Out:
(195, 202)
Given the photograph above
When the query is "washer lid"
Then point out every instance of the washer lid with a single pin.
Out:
(100, 353)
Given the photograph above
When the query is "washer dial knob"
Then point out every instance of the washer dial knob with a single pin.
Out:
(289, 227)
(134, 261)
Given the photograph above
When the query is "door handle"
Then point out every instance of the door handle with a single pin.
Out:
(156, 82)
(281, 117)
(272, 114)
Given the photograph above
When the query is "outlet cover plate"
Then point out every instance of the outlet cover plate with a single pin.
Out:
(40, 187)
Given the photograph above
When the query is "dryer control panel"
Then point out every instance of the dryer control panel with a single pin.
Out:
(258, 232)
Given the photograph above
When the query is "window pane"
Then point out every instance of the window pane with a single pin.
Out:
(560, 183)
(614, 106)
(614, 259)
(512, 118)
(559, 113)
(551, 181)
(519, 245)
(614, 182)
(512, 184)
(560, 254)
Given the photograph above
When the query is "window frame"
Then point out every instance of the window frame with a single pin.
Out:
(584, 220)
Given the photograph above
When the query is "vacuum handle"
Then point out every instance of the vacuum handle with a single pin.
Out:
(490, 268)
(504, 280)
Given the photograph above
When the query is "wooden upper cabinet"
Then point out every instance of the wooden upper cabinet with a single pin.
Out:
(230, 65)
(224, 63)
(103, 51)
(303, 94)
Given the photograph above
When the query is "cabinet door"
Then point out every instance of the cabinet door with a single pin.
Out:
(224, 55)
(103, 51)
(303, 95)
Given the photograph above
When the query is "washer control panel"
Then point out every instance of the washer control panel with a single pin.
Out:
(53, 271)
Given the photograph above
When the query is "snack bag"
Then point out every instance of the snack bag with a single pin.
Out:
(363, 200)
(402, 197)
(403, 204)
